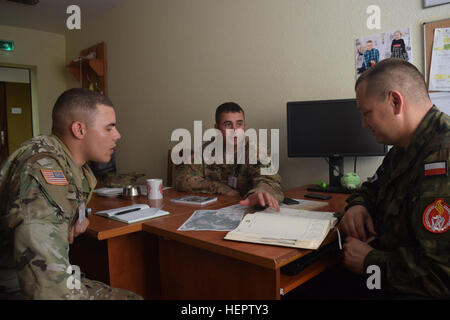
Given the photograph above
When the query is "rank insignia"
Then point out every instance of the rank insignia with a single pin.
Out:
(55, 177)
(436, 217)
(435, 169)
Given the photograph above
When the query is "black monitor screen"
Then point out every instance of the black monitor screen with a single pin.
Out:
(329, 128)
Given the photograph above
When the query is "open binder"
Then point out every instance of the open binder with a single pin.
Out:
(288, 227)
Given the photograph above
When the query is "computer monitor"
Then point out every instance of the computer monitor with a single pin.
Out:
(332, 129)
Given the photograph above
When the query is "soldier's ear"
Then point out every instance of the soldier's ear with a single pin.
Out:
(78, 129)
(397, 101)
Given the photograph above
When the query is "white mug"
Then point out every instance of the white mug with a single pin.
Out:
(154, 189)
(156, 203)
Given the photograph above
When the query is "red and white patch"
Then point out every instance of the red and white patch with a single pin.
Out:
(435, 169)
(436, 217)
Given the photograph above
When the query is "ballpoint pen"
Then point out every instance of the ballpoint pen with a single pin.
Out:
(127, 211)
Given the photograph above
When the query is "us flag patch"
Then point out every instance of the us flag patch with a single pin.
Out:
(435, 169)
(55, 177)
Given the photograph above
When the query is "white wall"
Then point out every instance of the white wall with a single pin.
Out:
(171, 62)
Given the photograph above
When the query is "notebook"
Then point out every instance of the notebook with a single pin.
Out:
(194, 200)
(133, 213)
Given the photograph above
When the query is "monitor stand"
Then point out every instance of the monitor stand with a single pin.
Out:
(335, 179)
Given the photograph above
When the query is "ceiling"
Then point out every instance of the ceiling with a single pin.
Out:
(50, 15)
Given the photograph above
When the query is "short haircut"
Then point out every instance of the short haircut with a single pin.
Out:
(394, 74)
(227, 107)
(76, 104)
(369, 41)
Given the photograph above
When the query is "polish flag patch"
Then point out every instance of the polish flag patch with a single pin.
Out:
(435, 169)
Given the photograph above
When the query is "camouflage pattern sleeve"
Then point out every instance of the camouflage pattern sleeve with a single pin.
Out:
(41, 246)
(422, 268)
(190, 178)
(260, 182)
(265, 183)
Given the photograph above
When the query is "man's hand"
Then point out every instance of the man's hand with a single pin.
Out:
(355, 251)
(78, 229)
(357, 222)
(262, 198)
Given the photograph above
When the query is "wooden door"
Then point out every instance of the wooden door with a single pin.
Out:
(18, 114)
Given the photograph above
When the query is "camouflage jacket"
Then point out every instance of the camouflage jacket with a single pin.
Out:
(41, 188)
(246, 178)
(404, 199)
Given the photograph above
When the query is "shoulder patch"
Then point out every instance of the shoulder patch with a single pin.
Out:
(44, 162)
(435, 169)
(55, 177)
(436, 217)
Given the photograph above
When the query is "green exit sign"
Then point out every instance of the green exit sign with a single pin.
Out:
(6, 45)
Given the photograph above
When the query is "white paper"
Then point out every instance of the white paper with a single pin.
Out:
(278, 226)
(441, 100)
(144, 212)
(287, 227)
(140, 215)
(112, 212)
(440, 61)
(307, 214)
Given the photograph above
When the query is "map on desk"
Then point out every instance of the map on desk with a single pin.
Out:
(225, 219)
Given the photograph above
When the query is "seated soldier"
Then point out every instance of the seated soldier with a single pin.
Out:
(44, 188)
(238, 179)
(405, 204)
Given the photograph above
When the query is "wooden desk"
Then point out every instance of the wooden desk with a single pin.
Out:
(121, 254)
(201, 265)
(155, 260)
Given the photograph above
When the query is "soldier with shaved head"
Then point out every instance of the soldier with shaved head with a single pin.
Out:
(405, 205)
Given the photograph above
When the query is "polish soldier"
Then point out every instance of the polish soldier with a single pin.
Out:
(405, 205)
(44, 188)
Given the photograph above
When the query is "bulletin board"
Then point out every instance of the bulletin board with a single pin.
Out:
(428, 38)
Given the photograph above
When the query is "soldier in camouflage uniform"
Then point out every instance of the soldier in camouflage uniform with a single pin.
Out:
(405, 204)
(44, 188)
(240, 178)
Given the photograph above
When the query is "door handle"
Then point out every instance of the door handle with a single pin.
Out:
(2, 137)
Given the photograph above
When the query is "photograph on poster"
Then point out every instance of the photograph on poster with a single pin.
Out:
(433, 3)
(370, 50)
